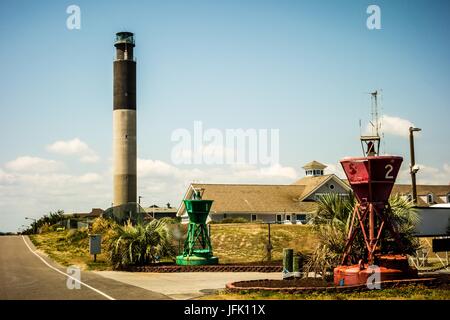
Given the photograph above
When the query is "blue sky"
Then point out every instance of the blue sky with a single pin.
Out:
(303, 67)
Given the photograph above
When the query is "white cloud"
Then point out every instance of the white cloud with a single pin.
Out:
(446, 168)
(427, 175)
(6, 178)
(33, 164)
(161, 182)
(210, 154)
(335, 169)
(89, 178)
(69, 147)
(148, 167)
(276, 171)
(91, 158)
(74, 147)
(392, 125)
(36, 193)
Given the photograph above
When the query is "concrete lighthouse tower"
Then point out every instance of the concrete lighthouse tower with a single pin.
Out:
(124, 120)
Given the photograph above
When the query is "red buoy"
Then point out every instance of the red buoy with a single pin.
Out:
(371, 179)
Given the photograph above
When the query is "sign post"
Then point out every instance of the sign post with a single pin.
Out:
(95, 245)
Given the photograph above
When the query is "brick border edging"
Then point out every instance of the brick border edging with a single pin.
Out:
(205, 268)
(234, 287)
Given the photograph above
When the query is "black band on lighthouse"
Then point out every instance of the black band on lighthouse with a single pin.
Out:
(124, 85)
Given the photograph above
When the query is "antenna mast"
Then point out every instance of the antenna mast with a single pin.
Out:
(375, 122)
(371, 144)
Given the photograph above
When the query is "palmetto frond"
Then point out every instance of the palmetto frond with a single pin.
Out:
(140, 244)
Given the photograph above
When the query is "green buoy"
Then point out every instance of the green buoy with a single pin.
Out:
(197, 246)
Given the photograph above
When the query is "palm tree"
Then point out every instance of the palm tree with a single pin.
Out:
(332, 223)
(334, 209)
(140, 244)
(404, 216)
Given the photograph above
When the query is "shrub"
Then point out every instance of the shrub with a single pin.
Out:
(232, 220)
(258, 221)
(55, 227)
(107, 228)
(43, 223)
(175, 220)
(44, 228)
(75, 235)
(140, 244)
(101, 225)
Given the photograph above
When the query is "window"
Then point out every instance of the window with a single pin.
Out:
(331, 186)
(288, 217)
(253, 217)
(278, 217)
(301, 217)
(448, 198)
(224, 215)
(430, 198)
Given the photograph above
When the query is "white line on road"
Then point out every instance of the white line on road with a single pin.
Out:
(65, 274)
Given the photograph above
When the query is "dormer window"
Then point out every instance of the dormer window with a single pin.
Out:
(430, 198)
(314, 173)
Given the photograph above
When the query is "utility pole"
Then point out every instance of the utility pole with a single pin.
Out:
(413, 169)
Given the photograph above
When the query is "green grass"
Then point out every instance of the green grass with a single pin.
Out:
(245, 242)
(69, 251)
(232, 243)
(412, 292)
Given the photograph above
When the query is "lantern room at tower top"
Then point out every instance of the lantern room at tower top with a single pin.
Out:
(124, 37)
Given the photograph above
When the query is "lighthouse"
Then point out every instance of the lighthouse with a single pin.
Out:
(124, 120)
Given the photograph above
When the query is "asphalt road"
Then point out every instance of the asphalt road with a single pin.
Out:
(26, 274)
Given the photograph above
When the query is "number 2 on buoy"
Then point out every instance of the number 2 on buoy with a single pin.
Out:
(389, 168)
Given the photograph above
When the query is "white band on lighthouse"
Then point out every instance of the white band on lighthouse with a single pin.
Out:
(124, 144)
